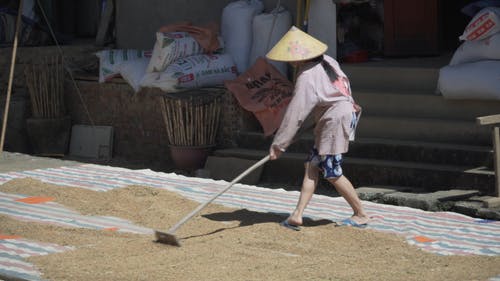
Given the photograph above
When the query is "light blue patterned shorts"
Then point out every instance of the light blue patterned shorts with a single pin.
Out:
(329, 165)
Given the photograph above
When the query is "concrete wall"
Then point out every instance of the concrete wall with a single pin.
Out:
(137, 21)
(139, 128)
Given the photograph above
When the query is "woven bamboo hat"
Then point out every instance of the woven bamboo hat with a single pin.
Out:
(296, 45)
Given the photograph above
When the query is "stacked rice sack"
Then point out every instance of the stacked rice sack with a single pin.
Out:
(111, 60)
(262, 86)
(474, 70)
(177, 62)
(249, 32)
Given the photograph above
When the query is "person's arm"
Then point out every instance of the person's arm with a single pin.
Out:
(302, 103)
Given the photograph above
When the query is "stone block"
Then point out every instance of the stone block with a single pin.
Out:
(373, 193)
(468, 208)
(435, 201)
(487, 201)
(91, 141)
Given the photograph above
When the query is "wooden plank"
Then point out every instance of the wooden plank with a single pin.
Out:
(488, 120)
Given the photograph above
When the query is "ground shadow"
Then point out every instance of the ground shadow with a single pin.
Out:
(247, 218)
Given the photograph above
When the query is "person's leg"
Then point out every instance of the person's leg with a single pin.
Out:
(307, 190)
(345, 188)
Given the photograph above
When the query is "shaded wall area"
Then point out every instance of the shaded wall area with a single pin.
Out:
(20, 106)
(137, 21)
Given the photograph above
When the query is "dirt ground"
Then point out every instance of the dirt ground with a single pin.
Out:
(222, 244)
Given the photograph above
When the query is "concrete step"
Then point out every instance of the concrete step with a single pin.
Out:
(393, 78)
(383, 76)
(387, 149)
(379, 125)
(288, 170)
(425, 130)
(422, 104)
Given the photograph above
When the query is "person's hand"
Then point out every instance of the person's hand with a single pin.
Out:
(274, 152)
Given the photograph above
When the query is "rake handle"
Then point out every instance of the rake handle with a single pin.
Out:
(202, 206)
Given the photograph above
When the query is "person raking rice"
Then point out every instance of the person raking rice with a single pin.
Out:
(321, 89)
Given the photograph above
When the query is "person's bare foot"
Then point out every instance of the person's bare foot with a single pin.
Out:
(293, 222)
(294, 219)
(360, 219)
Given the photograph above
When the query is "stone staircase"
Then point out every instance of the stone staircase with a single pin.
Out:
(409, 139)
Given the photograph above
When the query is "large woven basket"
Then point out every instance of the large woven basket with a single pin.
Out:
(192, 122)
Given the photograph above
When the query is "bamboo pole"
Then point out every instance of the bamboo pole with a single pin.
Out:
(199, 130)
(165, 118)
(203, 117)
(168, 121)
(172, 119)
(209, 117)
(46, 70)
(46, 96)
(171, 131)
(61, 84)
(190, 129)
(209, 123)
(184, 141)
(29, 83)
(54, 87)
(195, 128)
(216, 119)
(200, 121)
(41, 91)
(11, 75)
(50, 86)
(34, 97)
(213, 119)
(43, 79)
(175, 122)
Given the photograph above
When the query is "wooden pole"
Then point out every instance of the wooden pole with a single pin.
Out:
(495, 121)
(11, 75)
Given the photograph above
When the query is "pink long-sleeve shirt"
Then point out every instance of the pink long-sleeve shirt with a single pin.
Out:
(331, 103)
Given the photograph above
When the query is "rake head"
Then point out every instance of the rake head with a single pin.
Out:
(167, 238)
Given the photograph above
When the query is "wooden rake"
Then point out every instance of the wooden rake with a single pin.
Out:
(169, 237)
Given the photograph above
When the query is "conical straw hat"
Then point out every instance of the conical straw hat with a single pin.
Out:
(296, 45)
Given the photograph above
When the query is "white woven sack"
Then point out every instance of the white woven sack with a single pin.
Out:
(484, 24)
(267, 29)
(109, 60)
(476, 81)
(193, 72)
(476, 50)
(236, 30)
(170, 46)
(133, 71)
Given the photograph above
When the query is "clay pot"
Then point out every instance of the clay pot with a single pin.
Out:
(190, 158)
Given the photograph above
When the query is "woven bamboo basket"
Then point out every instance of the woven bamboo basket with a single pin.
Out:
(192, 121)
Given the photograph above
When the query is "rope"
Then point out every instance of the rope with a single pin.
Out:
(275, 13)
(63, 61)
